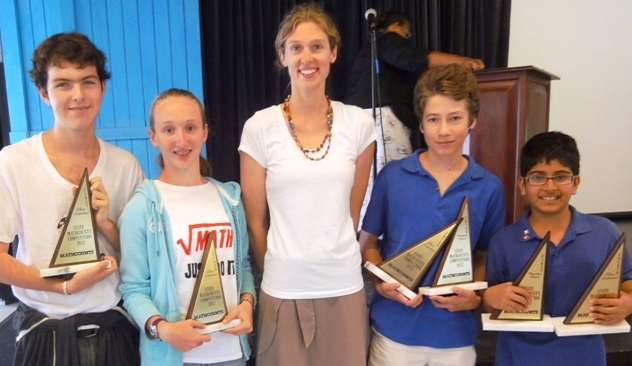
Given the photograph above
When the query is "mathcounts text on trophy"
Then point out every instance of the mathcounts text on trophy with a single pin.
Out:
(410, 265)
(77, 247)
(208, 304)
(456, 267)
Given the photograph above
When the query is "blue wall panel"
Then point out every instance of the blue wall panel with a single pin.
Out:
(178, 46)
(150, 45)
(149, 70)
(163, 45)
(14, 78)
(118, 83)
(136, 106)
(98, 31)
(34, 31)
(194, 48)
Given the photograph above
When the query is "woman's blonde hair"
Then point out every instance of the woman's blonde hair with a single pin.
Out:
(309, 12)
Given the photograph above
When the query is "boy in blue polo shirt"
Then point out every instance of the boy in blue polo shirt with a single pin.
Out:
(549, 169)
(415, 197)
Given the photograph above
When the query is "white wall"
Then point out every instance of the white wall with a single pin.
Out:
(588, 44)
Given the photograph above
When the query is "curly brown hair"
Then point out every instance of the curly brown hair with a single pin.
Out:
(72, 47)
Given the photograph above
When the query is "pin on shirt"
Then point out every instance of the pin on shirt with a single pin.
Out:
(525, 234)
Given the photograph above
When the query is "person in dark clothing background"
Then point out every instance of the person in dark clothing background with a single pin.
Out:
(400, 65)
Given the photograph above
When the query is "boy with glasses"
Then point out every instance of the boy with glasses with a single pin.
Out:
(579, 244)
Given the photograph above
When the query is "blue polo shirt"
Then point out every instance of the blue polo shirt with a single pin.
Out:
(571, 266)
(406, 207)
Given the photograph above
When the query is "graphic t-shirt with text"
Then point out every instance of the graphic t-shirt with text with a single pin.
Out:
(195, 213)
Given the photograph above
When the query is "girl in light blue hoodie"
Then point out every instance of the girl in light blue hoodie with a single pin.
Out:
(164, 229)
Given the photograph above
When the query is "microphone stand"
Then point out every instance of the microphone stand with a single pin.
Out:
(375, 93)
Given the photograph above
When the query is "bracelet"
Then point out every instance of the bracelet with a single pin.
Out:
(153, 328)
(246, 299)
(63, 288)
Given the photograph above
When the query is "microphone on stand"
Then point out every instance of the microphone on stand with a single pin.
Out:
(370, 16)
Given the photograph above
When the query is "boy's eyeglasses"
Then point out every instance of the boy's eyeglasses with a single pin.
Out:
(540, 179)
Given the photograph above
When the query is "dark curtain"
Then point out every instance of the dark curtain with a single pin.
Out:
(4, 110)
(238, 53)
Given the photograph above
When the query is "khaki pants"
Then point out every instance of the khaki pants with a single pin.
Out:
(385, 352)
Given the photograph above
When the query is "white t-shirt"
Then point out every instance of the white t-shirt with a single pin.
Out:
(312, 248)
(194, 213)
(34, 198)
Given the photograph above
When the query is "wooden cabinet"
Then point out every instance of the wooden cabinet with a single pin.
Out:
(514, 107)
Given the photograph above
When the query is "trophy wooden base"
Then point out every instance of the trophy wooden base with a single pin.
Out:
(566, 330)
(544, 325)
(388, 279)
(445, 290)
(70, 269)
(219, 326)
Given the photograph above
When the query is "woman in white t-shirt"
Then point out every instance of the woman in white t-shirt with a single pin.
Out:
(164, 230)
(305, 163)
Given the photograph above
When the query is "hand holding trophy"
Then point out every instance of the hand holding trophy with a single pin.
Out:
(77, 247)
(532, 278)
(207, 302)
(605, 284)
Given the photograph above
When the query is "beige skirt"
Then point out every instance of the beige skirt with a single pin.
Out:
(311, 332)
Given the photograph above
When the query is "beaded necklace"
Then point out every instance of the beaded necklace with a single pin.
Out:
(309, 153)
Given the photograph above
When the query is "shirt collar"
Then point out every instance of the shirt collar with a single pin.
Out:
(578, 225)
(412, 165)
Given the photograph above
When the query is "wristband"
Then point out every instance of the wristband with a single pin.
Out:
(246, 299)
(153, 328)
(63, 288)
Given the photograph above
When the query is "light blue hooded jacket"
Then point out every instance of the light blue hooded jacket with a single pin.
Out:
(148, 264)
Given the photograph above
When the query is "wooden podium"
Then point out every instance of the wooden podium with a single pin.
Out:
(514, 107)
